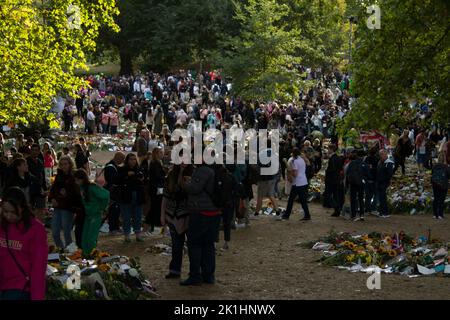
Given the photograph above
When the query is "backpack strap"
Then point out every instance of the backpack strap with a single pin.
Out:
(27, 278)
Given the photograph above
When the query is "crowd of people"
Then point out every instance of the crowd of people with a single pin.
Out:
(142, 192)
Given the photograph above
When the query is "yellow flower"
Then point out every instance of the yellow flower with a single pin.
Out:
(350, 257)
(392, 253)
(83, 294)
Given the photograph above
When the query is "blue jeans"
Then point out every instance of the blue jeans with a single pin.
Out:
(276, 190)
(62, 219)
(104, 128)
(201, 235)
(131, 211)
(439, 196)
(113, 129)
(177, 250)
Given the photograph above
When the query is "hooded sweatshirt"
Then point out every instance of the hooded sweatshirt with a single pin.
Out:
(29, 247)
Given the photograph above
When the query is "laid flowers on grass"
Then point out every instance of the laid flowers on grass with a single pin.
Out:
(397, 253)
(99, 277)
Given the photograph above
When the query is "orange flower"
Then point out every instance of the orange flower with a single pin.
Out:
(104, 267)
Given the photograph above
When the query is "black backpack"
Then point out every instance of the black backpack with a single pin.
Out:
(356, 175)
(222, 194)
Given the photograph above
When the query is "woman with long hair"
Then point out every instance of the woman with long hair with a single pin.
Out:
(65, 198)
(21, 178)
(156, 177)
(95, 200)
(23, 255)
(131, 180)
(175, 214)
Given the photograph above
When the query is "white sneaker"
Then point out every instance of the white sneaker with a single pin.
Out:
(375, 213)
(441, 218)
(240, 226)
(356, 219)
(434, 217)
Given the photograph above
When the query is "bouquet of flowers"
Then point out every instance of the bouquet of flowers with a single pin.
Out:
(101, 276)
(398, 253)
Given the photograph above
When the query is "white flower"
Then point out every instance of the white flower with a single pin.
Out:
(133, 273)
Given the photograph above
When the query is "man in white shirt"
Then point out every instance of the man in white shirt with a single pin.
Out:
(299, 186)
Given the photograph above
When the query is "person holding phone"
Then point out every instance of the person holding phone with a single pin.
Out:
(23, 249)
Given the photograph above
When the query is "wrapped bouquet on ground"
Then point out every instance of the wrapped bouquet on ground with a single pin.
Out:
(397, 253)
(100, 277)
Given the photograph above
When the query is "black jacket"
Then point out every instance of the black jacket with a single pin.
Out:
(372, 162)
(333, 174)
(129, 184)
(36, 168)
(201, 185)
(156, 177)
(29, 184)
(403, 149)
(111, 175)
(385, 171)
(442, 168)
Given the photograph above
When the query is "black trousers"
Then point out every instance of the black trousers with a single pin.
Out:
(357, 200)
(399, 162)
(177, 250)
(201, 235)
(336, 197)
(439, 201)
(382, 197)
(79, 223)
(227, 217)
(113, 216)
(153, 218)
(302, 193)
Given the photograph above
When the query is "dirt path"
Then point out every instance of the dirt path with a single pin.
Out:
(266, 262)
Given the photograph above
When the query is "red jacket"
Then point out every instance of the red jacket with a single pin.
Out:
(31, 252)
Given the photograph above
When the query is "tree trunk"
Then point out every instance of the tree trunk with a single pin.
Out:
(126, 64)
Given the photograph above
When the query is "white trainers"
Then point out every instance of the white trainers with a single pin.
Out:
(356, 219)
(441, 218)
(240, 225)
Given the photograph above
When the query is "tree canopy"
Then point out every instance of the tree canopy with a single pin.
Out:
(42, 43)
(405, 61)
